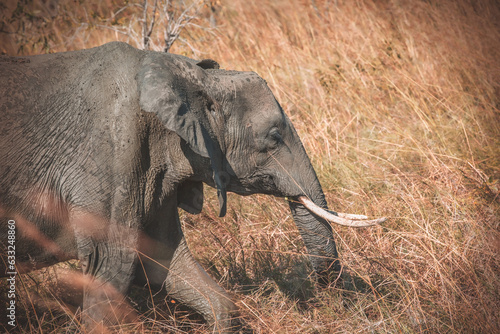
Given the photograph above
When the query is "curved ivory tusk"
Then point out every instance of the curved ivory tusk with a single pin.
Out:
(350, 215)
(344, 219)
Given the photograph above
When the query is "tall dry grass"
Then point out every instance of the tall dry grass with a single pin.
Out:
(397, 103)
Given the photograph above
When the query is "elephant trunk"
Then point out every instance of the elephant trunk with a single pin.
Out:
(318, 237)
(311, 215)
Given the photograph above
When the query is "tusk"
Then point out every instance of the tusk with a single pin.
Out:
(344, 219)
(349, 215)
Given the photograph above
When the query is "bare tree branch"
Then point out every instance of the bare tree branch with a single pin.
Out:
(174, 25)
(147, 31)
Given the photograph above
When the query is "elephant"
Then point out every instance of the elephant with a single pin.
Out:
(100, 147)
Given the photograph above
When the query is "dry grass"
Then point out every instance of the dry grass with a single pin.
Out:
(397, 103)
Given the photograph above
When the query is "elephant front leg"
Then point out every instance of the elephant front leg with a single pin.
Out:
(108, 266)
(188, 282)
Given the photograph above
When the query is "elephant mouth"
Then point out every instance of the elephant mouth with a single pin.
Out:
(265, 184)
(344, 219)
(256, 184)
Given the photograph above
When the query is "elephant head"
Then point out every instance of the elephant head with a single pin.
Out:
(233, 120)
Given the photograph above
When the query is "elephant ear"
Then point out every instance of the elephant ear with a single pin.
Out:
(168, 91)
(208, 64)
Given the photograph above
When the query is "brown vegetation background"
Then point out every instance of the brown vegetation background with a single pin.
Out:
(397, 103)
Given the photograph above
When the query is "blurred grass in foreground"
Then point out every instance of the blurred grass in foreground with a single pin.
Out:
(397, 103)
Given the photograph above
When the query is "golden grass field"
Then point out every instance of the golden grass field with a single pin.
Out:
(398, 105)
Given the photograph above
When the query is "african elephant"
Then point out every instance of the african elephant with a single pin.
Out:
(100, 147)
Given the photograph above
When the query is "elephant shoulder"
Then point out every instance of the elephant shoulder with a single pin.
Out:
(120, 47)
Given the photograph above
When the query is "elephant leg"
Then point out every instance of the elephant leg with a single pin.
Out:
(166, 262)
(188, 282)
(108, 268)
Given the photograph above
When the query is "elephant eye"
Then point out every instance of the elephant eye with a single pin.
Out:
(211, 108)
(275, 135)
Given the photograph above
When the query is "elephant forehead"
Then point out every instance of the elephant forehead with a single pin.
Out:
(258, 97)
(237, 77)
(266, 117)
(243, 86)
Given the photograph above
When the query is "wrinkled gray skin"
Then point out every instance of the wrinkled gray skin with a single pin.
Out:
(100, 147)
